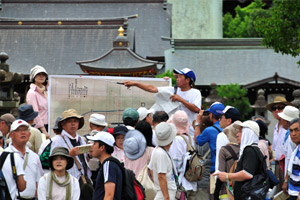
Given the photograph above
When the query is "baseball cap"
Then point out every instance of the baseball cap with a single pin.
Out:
(143, 112)
(8, 118)
(102, 136)
(17, 123)
(186, 71)
(131, 113)
(216, 108)
(231, 112)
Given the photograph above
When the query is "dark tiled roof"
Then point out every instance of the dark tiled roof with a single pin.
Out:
(58, 48)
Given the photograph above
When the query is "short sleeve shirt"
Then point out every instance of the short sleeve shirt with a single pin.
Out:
(109, 172)
(161, 163)
(250, 164)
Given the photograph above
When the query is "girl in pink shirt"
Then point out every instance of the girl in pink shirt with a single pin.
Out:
(37, 97)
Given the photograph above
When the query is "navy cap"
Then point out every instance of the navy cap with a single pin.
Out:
(231, 112)
(186, 71)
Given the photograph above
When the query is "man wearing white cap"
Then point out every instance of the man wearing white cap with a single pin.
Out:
(31, 162)
(183, 92)
(287, 115)
(109, 179)
(19, 184)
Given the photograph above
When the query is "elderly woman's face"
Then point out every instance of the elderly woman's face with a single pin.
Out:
(239, 135)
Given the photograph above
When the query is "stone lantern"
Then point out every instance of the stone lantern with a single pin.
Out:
(296, 101)
(8, 98)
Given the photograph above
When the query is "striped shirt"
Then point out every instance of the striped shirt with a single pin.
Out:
(294, 184)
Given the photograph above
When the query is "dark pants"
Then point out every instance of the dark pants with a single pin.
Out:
(279, 174)
(293, 198)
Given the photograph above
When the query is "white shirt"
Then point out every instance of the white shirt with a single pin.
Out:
(33, 170)
(58, 192)
(58, 141)
(278, 140)
(192, 96)
(161, 163)
(8, 175)
(222, 140)
(177, 151)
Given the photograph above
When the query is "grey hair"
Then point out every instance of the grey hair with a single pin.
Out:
(295, 121)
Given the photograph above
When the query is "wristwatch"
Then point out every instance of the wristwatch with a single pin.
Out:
(197, 124)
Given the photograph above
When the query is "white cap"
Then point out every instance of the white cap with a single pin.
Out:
(98, 119)
(143, 112)
(289, 113)
(102, 136)
(17, 123)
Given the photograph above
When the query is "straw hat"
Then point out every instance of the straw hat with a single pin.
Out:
(70, 114)
(231, 131)
(277, 100)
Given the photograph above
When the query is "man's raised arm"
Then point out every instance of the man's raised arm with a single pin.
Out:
(146, 87)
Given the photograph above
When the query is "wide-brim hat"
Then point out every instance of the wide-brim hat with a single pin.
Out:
(277, 100)
(55, 127)
(231, 131)
(249, 124)
(289, 113)
(71, 113)
(181, 122)
(134, 144)
(61, 151)
(98, 119)
(165, 133)
(35, 70)
(26, 112)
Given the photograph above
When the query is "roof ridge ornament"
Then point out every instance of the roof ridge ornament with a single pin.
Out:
(121, 31)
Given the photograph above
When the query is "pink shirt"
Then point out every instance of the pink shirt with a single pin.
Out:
(137, 165)
(39, 103)
(119, 154)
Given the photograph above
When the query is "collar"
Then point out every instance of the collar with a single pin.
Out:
(13, 149)
(64, 133)
(217, 123)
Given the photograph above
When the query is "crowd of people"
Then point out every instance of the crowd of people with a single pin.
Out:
(150, 143)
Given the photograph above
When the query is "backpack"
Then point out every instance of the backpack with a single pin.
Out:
(4, 192)
(257, 187)
(131, 188)
(195, 166)
(44, 157)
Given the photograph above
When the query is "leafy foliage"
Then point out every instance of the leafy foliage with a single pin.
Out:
(242, 25)
(235, 96)
(167, 74)
(281, 30)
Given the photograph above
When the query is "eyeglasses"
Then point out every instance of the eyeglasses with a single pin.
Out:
(277, 107)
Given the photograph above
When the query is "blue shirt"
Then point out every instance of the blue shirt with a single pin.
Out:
(210, 135)
(109, 172)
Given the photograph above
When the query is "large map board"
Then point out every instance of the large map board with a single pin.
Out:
(97, 94)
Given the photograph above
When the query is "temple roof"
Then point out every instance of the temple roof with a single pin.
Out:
(41, 39)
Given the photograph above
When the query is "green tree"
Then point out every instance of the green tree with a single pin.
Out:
(235, 96)
(167, 74)
(242, 25)
(281, 30)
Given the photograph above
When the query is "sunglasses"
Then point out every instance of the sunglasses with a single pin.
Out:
(277, 108)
